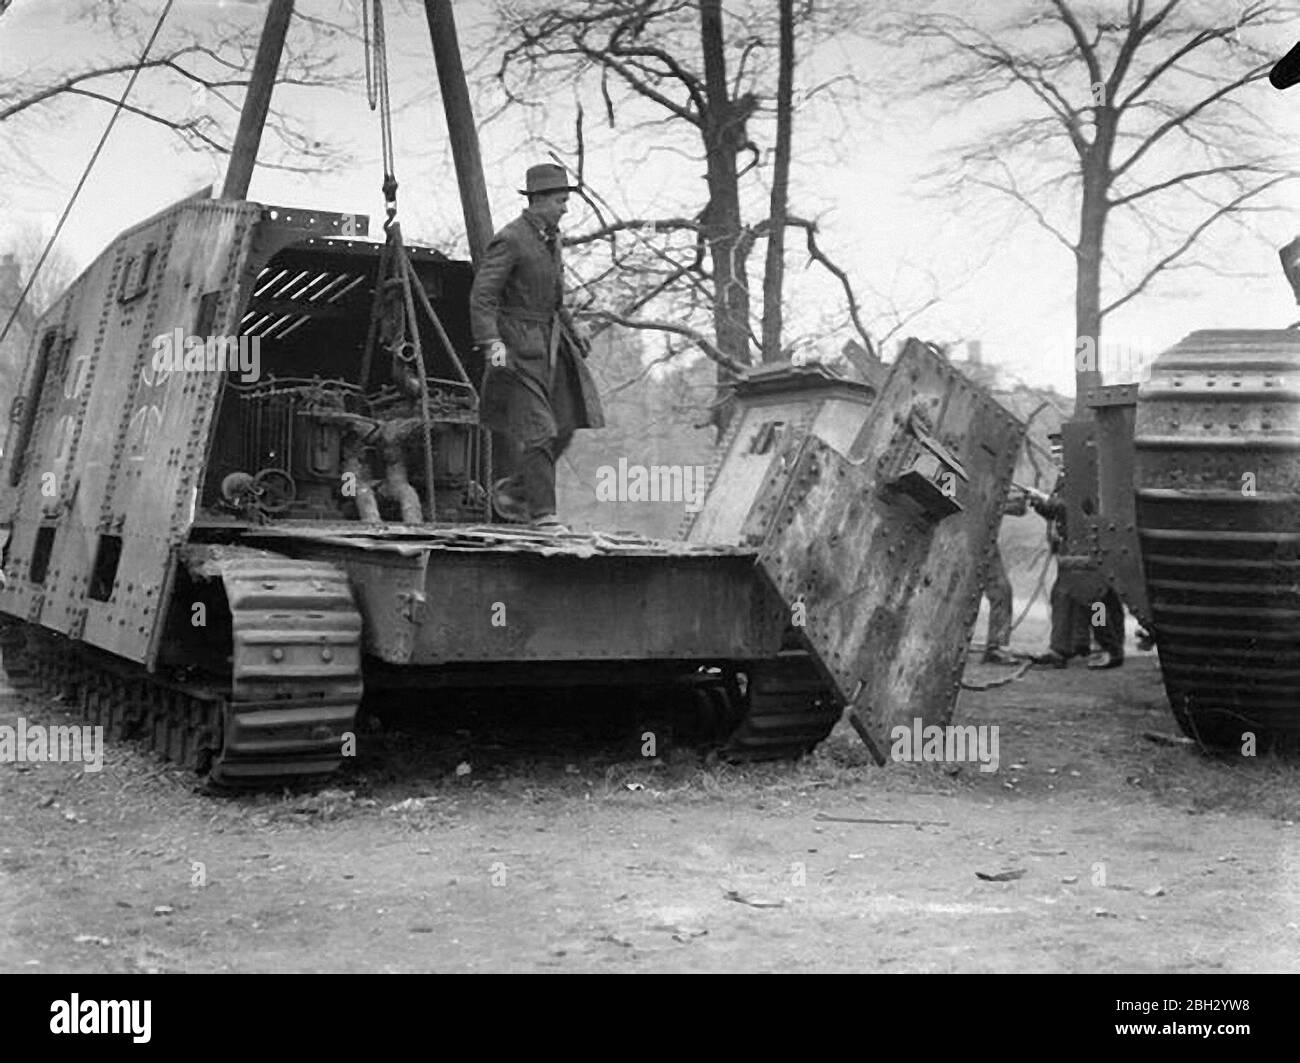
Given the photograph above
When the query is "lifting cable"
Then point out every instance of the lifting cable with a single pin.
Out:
(394, 255)
(377, 95)
(85, 174)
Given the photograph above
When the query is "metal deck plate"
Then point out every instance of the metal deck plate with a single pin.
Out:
(412, 539)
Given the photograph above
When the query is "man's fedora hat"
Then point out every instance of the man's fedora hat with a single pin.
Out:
(546, 177)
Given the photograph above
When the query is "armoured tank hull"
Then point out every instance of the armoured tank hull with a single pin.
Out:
(1217, 484)
(223, 556)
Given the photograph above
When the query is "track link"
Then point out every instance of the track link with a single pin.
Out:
(181, 724)
(295, 670)
(789, 710)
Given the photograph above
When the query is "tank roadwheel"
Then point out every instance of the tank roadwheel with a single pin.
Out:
(86, 696)
(149, 699)
(15, 661)
(203, 719)
(94, 704)
(41, 673)
(195, 723)
(123, 714)
(789, 710)
(712, 708)
(46, 669)
(112, 710)
(178, 733)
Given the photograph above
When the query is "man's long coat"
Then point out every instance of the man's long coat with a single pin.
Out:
(544, 390)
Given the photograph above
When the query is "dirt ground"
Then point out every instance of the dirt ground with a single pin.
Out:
(451, 848)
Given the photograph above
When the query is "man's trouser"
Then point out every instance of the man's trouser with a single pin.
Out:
(534, 476)
(1110, 633)
(998, 592)
(1070, 619)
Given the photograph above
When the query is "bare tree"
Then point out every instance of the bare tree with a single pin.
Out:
(774, 272)
(59, 270)
(18, 256)
(1132, 118)
(701, 83)
(188, 85)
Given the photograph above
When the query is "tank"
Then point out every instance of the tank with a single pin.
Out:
(1217, 488)
(1183, 494)
(223, 523)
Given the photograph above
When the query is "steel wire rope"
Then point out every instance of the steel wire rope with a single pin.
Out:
(394, 254)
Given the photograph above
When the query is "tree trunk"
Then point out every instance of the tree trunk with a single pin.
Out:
(1088, 254)
(1087, 304)
(774, 274)
(720, 220)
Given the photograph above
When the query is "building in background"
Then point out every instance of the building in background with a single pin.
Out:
(652, 420)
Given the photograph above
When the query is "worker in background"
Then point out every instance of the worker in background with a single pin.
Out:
(1076, 622)
(1106, 618)
(1070, 617)
(997, 589)
(537, 389)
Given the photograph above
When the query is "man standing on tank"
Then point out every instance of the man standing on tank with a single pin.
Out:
(537, 389)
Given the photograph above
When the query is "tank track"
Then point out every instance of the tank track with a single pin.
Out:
(1221, 562)
(280, 716)
(787, 710)
(295, 670)
(181, 724)
(284, 720)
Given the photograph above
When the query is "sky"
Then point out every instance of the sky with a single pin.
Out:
(1011, 288)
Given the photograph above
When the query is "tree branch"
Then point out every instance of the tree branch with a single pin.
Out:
(697, 338)
(659, 225)
(1182, 178)
(1191, 238)
(1183, 117)
(638, 85)
(1087, 50)
(1013, 192)
(819, 256)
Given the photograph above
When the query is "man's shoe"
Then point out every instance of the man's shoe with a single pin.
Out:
(998, 655)
(1105, 659)
(550, 523)
(508, 507)
(1052, 659)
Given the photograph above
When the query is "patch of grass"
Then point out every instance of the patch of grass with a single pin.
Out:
(1267, 785)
